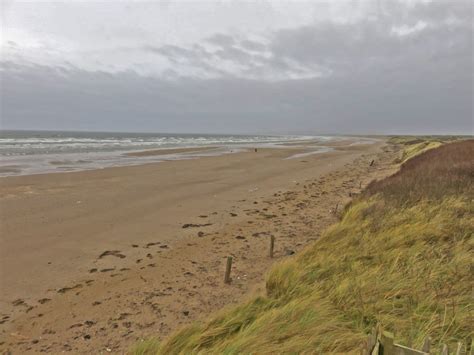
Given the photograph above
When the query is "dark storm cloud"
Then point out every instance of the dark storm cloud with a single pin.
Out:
(339, 46)
(423, 99)
(406, 69)
(246, 58)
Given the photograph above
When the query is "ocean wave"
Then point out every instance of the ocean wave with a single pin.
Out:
(24, 145)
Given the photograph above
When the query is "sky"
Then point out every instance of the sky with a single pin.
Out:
(274, 67)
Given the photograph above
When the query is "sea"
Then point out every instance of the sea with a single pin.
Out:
(37, 152)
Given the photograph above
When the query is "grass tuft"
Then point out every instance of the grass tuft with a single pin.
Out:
(146, 347)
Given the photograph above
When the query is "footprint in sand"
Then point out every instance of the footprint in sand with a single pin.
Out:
(19, 302)
(152, 244)
(107, 270)
(116, 253)
(194, 225)
(66, 289)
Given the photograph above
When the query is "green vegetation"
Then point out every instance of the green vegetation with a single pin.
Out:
(418, 148)
(410, 140)
(146, 347)
(401, 256)
(417, 145)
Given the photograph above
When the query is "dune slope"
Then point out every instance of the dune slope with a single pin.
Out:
(401, 256)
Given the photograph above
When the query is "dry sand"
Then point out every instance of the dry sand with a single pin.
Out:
(93, 261)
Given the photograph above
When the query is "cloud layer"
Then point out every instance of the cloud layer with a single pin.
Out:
(395, 67)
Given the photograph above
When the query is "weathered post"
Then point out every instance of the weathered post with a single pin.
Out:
(372, 340)
(386, 339)
(227, 270)
(272, 245)
(427, 345)
(445, 350)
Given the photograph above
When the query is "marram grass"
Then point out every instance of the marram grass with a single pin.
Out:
(418, 148)
(404, 264)
(146, 347)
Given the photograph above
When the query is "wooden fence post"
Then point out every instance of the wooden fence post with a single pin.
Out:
(386, 339)
(272, 245)
(381, 342)
(445, 350)
(227, 270)
(372, 340)
(426, 345)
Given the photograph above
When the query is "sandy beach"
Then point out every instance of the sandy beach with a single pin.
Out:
(93, 261)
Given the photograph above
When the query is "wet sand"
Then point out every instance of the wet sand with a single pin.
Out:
(93, 261)
(149, 153)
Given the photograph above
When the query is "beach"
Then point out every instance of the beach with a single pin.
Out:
(93, 261)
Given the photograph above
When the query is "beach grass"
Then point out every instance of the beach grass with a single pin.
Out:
(401, 257)
(414, 145)
(147, 346)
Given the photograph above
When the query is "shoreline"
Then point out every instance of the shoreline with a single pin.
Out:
(31, 164)
(92, 227)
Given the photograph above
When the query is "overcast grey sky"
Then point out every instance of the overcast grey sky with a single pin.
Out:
(369, 66)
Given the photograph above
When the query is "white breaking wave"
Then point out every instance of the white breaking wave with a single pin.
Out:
(51, 145)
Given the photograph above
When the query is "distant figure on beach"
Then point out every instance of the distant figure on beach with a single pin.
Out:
(255, 150)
